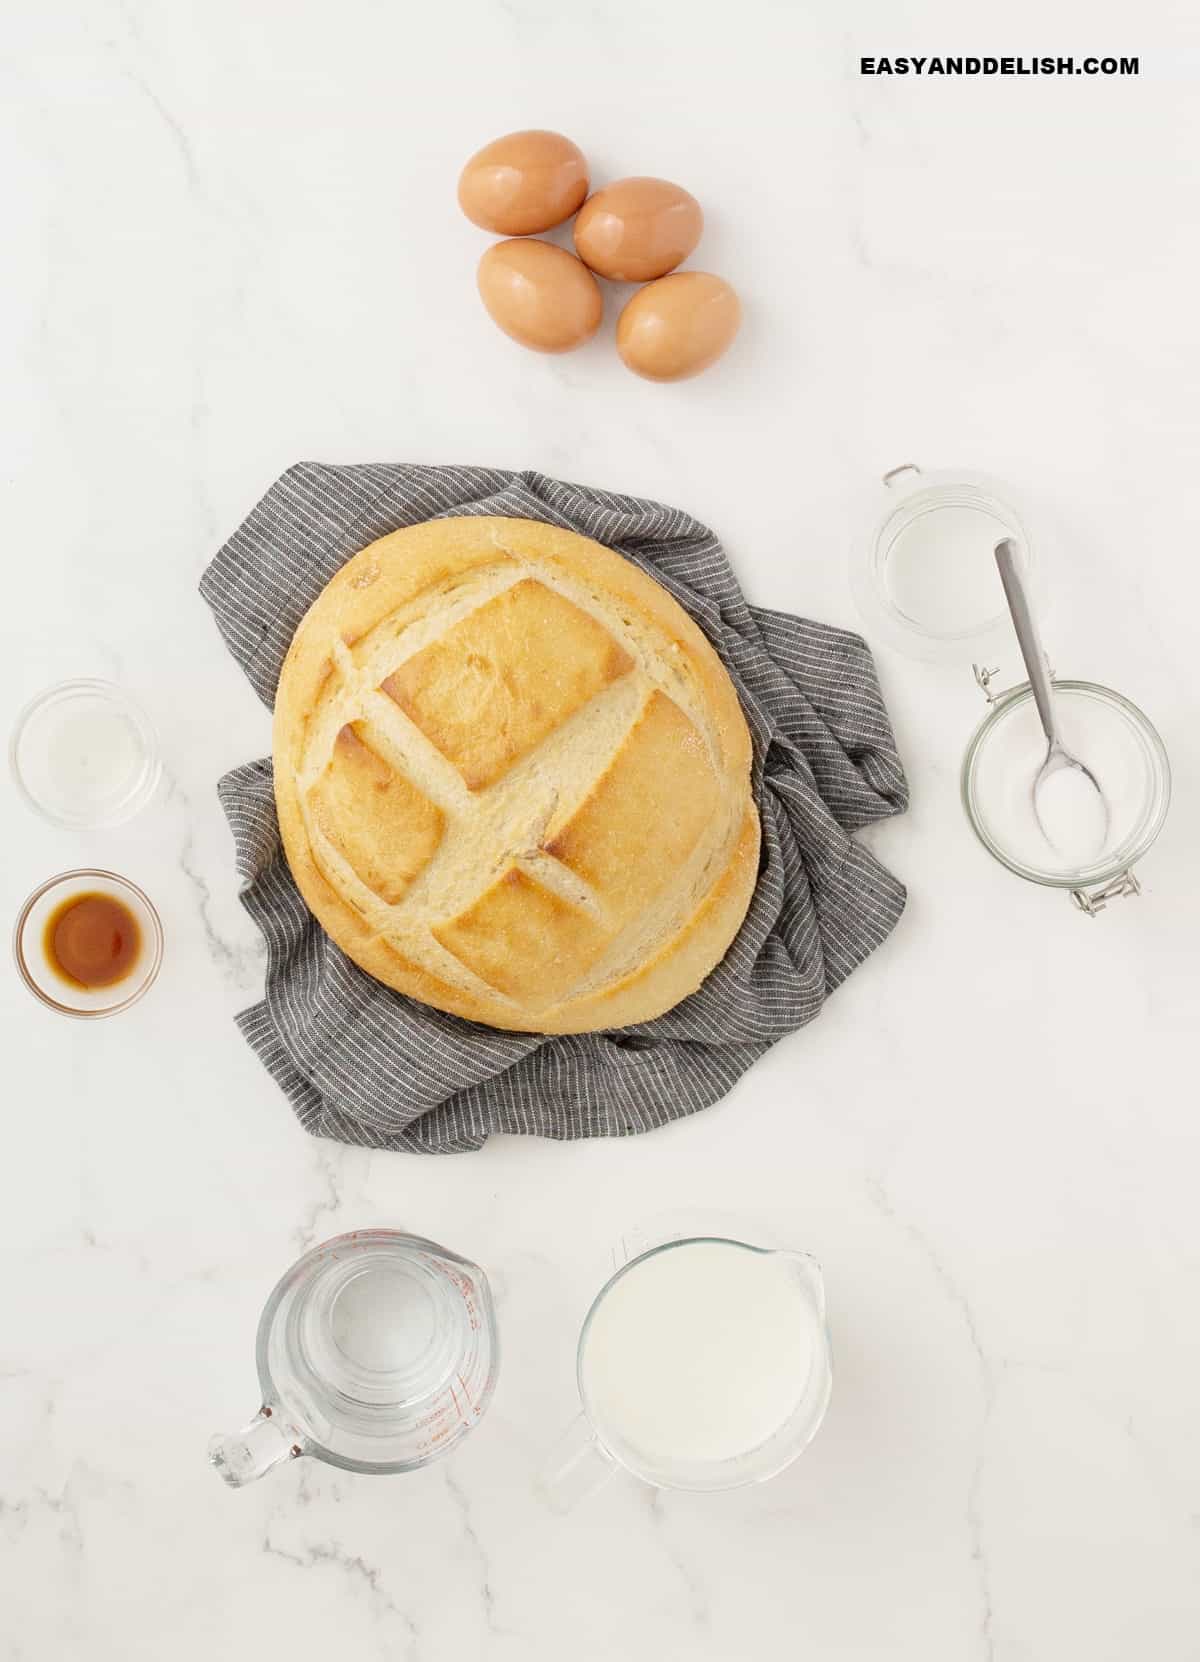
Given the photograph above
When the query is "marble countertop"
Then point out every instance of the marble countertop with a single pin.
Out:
(232, 244)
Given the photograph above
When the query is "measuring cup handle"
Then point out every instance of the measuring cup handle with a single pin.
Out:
(267, 1441)
(575, 1468)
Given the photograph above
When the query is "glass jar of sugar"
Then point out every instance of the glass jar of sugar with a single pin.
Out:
(1124, 751)
(926, 582)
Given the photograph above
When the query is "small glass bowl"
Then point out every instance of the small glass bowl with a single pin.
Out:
(84, 754)
(44, 982)
(1107, 732)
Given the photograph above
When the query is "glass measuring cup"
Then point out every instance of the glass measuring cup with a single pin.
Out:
(703, 1364)
(377, 1352)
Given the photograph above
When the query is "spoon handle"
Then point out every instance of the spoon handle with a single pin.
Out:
(1028, 638)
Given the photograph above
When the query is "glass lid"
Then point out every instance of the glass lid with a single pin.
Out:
(925, 575)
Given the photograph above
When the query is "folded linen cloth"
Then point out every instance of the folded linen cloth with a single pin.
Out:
(367, 1065)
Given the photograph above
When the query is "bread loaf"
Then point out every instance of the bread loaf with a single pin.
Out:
(513, 777)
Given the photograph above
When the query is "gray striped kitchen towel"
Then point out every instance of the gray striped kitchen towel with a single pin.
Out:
(366, 1065)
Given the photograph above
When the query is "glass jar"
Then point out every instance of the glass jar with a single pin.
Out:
(1120, 744)
(926, 582)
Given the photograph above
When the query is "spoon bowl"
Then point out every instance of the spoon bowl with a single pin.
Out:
(1069, 804)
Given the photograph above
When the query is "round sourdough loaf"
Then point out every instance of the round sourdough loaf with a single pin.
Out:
(513, 777)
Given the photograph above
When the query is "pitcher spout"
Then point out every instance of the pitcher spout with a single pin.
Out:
(808, 1272)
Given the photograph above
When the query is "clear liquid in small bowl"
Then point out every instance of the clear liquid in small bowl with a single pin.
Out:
(85, 754)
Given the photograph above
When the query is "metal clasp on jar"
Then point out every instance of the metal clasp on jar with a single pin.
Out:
(1092, 901)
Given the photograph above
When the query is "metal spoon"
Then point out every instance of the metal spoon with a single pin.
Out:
(1058, 757)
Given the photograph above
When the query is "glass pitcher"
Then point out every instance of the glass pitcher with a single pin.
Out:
(703, 1364)
(377, 1352)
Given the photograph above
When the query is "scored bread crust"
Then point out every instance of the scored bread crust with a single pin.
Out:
(513, 777)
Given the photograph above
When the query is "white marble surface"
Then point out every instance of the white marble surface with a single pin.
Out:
(231, 242)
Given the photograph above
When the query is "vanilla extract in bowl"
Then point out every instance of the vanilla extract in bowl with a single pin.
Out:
(92, 940)
(88, 943)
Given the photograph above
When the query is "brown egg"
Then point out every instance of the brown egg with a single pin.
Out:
(678, 326)
(638, 229)
(540, 295)
(523, 182)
